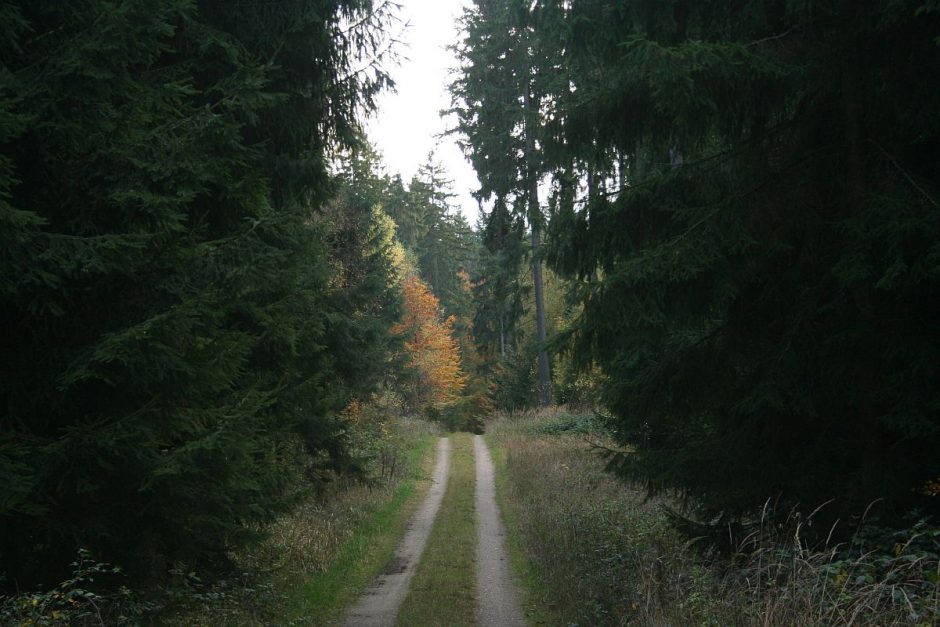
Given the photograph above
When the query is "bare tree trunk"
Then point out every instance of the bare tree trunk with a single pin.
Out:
(502, 332)
(545, 375)
(592, 197)
(544, 394)
(636, 167)
(621, 172)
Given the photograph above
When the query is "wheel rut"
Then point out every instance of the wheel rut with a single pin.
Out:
(497, 601)
(378, 605)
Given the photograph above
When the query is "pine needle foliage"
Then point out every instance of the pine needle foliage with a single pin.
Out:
(766, 244)
(167, 311)
(509, 59)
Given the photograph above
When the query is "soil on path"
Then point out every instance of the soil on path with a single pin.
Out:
(378, 605)
(498, 603)
(497, 600)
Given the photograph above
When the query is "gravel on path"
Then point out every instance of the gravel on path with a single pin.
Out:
(378, 605)
(498, 603)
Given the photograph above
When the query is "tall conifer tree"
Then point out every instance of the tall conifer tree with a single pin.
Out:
(507, 73)
(766, 313)
(165, 293)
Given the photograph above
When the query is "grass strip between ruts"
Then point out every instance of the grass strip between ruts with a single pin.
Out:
(443, 590)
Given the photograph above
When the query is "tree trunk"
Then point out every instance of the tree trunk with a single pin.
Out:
(636, 173)
(502, 332)
(545, 376)
(591, 199)
(544, 392)
(621, 173)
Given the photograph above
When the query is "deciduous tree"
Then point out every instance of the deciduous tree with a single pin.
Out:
(432, 348)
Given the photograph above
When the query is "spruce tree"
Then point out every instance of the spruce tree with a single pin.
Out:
(497, 290)
(167, 307)
(507, 73)
(766, 310)
(449, 245)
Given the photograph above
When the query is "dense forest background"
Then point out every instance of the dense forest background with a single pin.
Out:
(745, 198)
(715, 223)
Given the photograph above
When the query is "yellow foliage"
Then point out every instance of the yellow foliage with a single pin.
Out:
(430, 343)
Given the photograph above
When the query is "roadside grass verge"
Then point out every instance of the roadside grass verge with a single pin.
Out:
(316, 560)
(354, 537)
(537, 606)
(589, 549)
(443, 590)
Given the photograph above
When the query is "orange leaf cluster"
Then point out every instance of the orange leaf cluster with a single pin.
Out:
(430, 344)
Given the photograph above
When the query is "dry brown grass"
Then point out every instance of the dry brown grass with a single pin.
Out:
(309, 539)
(315, 560)
(594, 551)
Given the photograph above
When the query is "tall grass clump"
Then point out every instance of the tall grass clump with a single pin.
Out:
(880, 576)
(597, 551)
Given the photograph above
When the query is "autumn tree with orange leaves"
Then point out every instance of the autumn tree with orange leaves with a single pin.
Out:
(432, 348)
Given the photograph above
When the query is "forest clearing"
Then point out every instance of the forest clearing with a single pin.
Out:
(470, 312)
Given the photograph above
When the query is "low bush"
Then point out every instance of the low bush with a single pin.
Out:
(72, 601)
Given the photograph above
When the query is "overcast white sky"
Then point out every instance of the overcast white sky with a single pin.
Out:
(407, 123)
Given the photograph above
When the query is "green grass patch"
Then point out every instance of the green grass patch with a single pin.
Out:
(320, 598)
(316, 560)
(443, 590)
(571, 424)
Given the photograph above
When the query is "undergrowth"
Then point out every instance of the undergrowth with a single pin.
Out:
(599, 552)
(267, 582)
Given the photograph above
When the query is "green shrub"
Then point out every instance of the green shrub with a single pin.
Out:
(73, 601)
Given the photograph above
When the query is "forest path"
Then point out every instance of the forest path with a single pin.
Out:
(468, 562)
(379, 604)
(498, 603)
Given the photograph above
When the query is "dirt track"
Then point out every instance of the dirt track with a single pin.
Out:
(498, 604)
(497, 601)
(378, 605)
